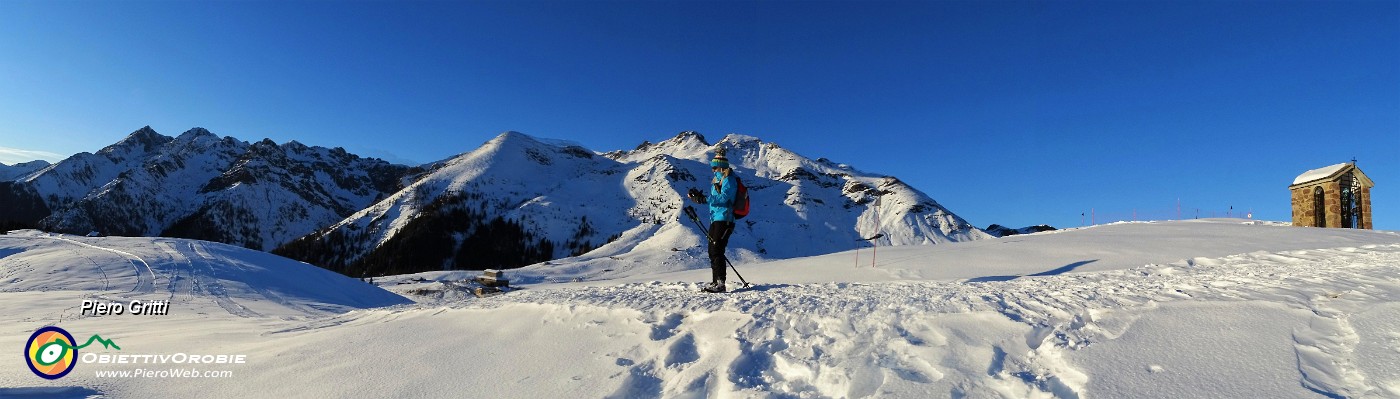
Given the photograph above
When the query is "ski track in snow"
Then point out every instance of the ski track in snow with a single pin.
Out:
(106, 283)
(145, 283)
(192, 284)
(214, 287)
(798, 340)
(189, 282)
(174, 282)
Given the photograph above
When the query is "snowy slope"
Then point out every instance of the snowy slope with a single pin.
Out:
(193, 274)
(1217, 308)
(1099, 248)
(514, 170)
(625, 206)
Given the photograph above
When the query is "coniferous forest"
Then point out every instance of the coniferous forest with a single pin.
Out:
(450, 233)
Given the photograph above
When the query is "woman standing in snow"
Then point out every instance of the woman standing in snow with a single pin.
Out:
(721, 200)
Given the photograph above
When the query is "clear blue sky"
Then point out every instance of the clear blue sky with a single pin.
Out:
(1015, 113)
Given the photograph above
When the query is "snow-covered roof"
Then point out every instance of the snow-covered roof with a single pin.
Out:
(1319, 173)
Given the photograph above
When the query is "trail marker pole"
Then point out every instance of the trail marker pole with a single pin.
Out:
(871, 240)
(875, 245)
(857, 255)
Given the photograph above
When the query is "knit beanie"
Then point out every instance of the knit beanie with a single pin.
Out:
(720, 161)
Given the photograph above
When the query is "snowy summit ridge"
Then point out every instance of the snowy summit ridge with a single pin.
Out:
(617, 211)
(198, 185)
(19, 170)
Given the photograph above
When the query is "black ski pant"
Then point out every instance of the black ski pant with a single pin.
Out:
(719, 240)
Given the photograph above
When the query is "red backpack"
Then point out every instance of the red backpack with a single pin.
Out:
(741, 200)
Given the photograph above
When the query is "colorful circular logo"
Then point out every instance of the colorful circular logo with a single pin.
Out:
(50, 353)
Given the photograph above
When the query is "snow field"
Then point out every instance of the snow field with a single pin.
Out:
(1260, 324)
(1306, 313)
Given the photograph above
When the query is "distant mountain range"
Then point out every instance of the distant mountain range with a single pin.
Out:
(198, 185)
(516, 200)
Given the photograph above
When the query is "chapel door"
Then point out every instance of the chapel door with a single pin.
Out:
(1319, 208)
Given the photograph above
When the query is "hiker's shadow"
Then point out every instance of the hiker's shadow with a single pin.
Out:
(49, 392)
(1053, 272)
(767, 287)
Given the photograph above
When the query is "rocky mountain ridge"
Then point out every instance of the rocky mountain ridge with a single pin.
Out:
(198, 185)
(516, 200)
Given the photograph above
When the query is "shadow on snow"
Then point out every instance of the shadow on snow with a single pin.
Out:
(1057, 271)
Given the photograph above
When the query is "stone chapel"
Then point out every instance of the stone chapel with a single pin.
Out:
(1334, 196)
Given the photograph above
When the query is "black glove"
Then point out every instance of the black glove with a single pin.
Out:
(690, 213)
(696, 195)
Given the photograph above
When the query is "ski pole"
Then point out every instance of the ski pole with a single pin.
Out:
(690, 212)
(693, 218)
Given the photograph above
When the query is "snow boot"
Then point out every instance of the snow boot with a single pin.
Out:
(714, 287)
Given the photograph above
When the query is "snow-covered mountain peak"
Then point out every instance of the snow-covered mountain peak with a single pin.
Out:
(268, 149)
(513, 140)
(520, 152)
(506, 142)
(685, 138)
(196, 134)
(513, 135)
(739, 139)
(748, 154)
(20, 170)
(197, 141)
(137, 144)
(686, 145)
(296, 146)
(38, 163)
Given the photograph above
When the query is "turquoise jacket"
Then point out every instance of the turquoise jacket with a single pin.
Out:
(722, 198)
